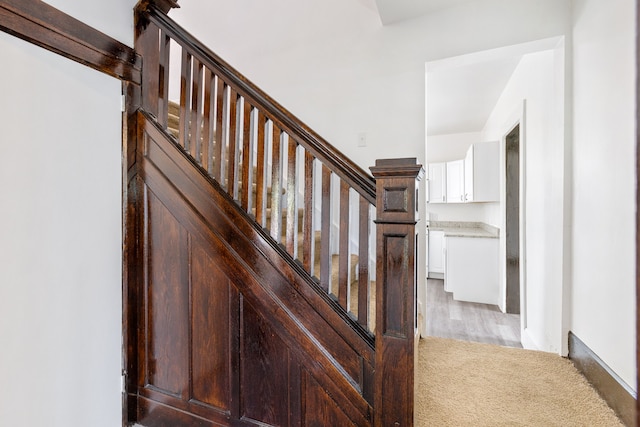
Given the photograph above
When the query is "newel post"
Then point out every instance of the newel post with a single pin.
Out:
(396, 313)
(147, 41)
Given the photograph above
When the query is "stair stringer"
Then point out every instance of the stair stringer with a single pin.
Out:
(330, 363)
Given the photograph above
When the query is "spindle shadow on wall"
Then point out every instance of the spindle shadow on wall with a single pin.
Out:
(249, 306)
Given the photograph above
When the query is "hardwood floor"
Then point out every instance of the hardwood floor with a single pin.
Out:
(469, 321)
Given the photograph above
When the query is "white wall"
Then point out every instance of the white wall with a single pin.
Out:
(60, 222)
(537, 81)
(114, 17)
(603, 295)
(453, 146)
(465, 212)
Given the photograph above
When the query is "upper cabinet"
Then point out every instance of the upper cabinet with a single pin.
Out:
(455, 181)
(482, 173)
(437, 183)
(476, 178)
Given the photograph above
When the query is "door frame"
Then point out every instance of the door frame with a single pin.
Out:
(517, 118)
(512, 308)
(637, 105)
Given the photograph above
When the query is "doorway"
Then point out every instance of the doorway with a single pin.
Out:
(512, 216)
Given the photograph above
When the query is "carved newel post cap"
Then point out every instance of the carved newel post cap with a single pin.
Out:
(397, 189)
(163, 5)
(405, 167)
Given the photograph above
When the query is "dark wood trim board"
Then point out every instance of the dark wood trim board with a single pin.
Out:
(618, 395)
(47, 27)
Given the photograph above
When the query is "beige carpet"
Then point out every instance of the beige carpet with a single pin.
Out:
(471, 384)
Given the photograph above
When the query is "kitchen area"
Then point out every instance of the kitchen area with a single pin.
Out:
(465, 299)
(464, 253)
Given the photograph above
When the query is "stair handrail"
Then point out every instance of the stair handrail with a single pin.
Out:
(339, 164)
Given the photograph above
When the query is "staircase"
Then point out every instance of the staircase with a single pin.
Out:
(257, 301)
(173, 127)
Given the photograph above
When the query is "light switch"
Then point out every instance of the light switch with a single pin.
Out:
(362, 139)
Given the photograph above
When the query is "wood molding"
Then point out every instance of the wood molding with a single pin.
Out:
(162, 5)
(47, 27)
(618, 395)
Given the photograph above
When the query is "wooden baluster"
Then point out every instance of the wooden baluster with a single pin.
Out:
(185, 97)
(247, 158)
(195, 144)
(276, 184)
(220, 123)
(364, 284)
(308, 239)
(396, 282)
(163, 79)
(343, 248)
(261, 188)
(232, 163)
(325, 243)
(208, 121)
(292, 196)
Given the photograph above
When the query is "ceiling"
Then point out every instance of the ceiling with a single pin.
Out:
(392, 11)
(460, 98)
(461, 92)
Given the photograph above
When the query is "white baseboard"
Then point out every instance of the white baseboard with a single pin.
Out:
(527, 341)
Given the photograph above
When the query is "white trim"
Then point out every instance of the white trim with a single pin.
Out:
(527, 341)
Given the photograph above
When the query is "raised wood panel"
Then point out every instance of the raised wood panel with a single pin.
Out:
(394, 279)
(154, 414)
(246, 318)
(320, 409)
(167, 301)
(210, 331)
(264, 371)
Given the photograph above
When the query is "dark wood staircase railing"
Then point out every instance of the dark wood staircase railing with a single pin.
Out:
(224, 176)
(243, 138)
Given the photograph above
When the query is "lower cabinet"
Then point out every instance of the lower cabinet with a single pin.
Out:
(436, 254)
(471, 269)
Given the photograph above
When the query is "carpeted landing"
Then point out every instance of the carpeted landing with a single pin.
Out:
(470, 384)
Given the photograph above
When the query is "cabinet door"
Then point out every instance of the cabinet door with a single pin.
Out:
(472, 269)
(437, 182)
(455, 181)
(482, 172)
(468, 175)
(436, 251)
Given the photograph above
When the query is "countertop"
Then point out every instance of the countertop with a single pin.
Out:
(464, 229)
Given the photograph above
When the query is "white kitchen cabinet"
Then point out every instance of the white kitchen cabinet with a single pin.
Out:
(455, 181)
(476, 178)
(471, 270)
(437, 182)
(468, 175)
(436, 254)
(482, 173)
